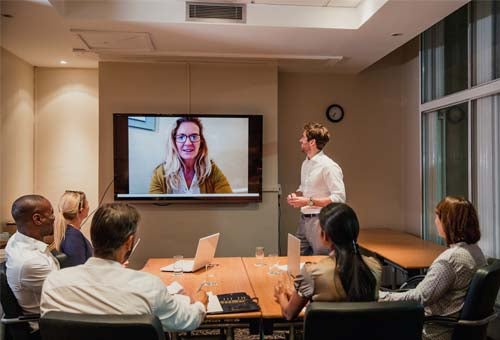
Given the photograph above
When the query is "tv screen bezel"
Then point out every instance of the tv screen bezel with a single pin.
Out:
(121, 155)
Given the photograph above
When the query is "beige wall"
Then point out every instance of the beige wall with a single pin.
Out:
(411, 161)
(196, 88)
(376, 143)
(17, 129)
(66, 133)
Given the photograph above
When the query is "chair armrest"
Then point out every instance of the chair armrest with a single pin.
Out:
(442, 320)
(412, 282)
(21, 319)
(447, 321)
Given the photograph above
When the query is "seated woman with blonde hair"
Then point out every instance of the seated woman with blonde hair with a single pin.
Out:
(345, 275)
(443, 289)
(73, 209)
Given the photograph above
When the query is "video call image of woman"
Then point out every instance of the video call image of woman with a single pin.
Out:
(187, 168)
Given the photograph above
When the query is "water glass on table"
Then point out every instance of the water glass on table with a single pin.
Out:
(259, 255)
(210, 277)
(273, 264)
(178, 269)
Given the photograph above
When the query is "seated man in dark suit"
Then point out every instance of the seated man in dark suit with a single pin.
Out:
(103, 286)
(29, 260)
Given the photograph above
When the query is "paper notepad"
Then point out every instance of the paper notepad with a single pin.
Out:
(213, 306)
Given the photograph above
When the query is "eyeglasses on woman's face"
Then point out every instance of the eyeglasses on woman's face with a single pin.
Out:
(182, 138)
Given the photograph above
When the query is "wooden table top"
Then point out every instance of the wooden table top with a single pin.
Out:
(405, 250)
(230, 275)
(263, 283)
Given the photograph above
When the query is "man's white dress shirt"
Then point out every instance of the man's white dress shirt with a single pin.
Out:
(105, 287)
(321, 177)
(29, 262)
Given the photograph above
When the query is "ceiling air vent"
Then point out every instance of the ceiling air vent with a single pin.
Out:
(214, 12)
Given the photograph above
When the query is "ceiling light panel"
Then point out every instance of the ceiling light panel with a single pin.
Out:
(116, 41)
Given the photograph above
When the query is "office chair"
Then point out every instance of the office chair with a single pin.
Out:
(68, 326)
(16, 323)
(478, 308)
(363, 320)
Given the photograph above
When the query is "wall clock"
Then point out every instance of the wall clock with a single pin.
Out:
(335, 113)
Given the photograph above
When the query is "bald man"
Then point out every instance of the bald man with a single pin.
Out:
(29, 260)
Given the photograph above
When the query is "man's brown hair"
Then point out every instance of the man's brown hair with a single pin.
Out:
(317, 132)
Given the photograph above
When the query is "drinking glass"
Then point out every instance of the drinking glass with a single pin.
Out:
(273, 264)
(259, 254)
(178, 269)
(210, 277)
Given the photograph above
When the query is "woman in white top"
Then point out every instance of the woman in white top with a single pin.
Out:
(442, 291)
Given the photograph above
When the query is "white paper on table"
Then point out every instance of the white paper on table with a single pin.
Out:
(214, 305)
(284, 267)
(175, 288)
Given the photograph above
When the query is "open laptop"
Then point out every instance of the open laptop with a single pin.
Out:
(204, 255)
(293, 253)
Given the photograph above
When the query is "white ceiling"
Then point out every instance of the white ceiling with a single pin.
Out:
(338, 36)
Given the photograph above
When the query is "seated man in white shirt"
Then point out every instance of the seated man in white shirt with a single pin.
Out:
(29, 260)
(103, 286)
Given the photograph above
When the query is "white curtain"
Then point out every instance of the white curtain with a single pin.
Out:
(483, 42)
(487, 172)
(433, 171)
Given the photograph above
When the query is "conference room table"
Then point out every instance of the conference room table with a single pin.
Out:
(402, 251)
(236, 274)
(231, 277)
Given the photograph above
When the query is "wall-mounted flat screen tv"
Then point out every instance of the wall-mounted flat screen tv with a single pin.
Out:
(188, 158)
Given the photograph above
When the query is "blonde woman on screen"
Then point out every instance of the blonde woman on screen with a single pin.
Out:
(187, 168)
(73, 209)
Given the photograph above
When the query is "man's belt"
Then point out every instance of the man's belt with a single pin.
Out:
(310, 215)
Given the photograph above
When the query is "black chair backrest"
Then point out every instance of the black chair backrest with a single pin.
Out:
(11, 309)
(68, 326)
(480, 301)
(364, 320)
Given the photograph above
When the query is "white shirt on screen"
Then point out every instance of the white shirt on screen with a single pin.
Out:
(105, 287)
(321, 177)
(29, 262)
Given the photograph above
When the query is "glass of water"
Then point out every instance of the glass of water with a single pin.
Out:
(273, 264)
(210, 277)
(259, 255)
(178, 269)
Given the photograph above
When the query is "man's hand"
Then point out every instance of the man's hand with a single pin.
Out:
(201, 296)
(296, 201)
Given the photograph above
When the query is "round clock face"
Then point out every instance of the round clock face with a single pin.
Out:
(335, 113)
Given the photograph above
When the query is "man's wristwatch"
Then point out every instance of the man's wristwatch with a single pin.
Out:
(310, 202)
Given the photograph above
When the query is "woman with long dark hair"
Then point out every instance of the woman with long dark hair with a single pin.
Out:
(345, 275)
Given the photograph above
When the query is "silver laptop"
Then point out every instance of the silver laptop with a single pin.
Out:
(293, 254)
(204, 255)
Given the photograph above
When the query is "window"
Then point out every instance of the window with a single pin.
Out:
(461, 133)
(445, 161)
(444, 65)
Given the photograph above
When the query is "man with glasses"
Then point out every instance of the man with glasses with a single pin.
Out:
(103, 286)
(29, 260)
(321, 183)
(187, 168)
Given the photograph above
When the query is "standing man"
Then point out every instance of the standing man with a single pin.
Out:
(321, 183)
(103, 286)
(29, 261)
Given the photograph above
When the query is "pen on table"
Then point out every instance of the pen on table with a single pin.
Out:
(200, 287)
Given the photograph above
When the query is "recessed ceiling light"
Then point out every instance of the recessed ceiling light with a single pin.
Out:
(396, 34)
(63, 62)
